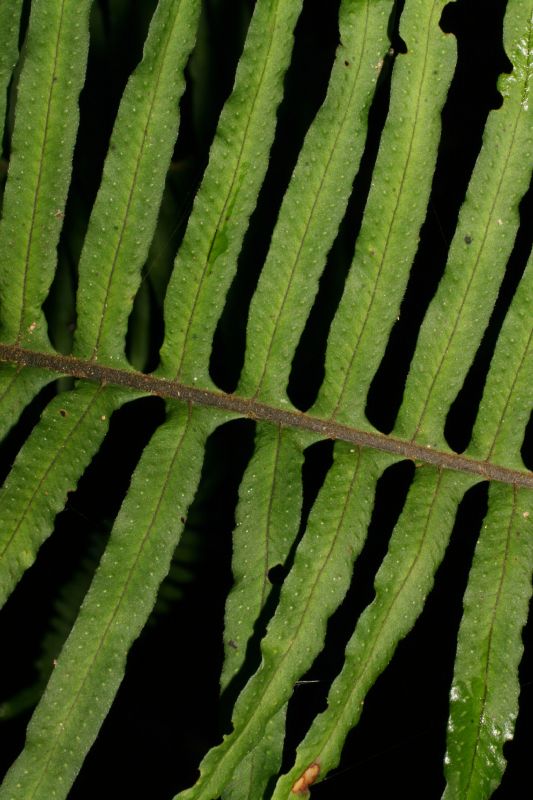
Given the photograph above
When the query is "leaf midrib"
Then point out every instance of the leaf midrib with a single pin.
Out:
(258, 411)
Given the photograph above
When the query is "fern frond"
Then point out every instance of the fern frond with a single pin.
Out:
(401, 586)
(506, 404)
(122, 594)
(272, 634)
(125, 212)
(65, 609)
(485, 233)
(253, 775)
(9, 39)
(484, 693)
(314, 203)
(207, 259)
(394, 213)
(55, 55)
(268, 519)
(45, 471)
(311, 592)
(18, 386)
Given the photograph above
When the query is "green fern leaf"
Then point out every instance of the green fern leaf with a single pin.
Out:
(484, 694)
(122, 594)
(9, 26)
(40, 166)
(479, 252)
(125, 212)
(157, 249)
(226, 198)
(314, 202)
(47, 468)
(394, 213)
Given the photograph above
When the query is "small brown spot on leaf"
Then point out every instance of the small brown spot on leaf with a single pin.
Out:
(306, 779)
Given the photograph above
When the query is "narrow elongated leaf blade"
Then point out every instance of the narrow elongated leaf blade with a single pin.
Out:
(487, 226)
(506, 404)
(47, 468)
(268, 520)
(402, 584)
(484, 694)
(125, 212)
(238, 160)
(315, 202)
(9, 36)
(394, 213)
(17, 387)
(41, 162)
(311, 592)
(92, 662)
(273, 634)
(254, 773)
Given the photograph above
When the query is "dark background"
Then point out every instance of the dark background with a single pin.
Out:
(167, 712)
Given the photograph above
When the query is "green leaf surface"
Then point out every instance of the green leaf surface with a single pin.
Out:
(145, 278)
(122, 594)
(311, 592)
(394, 213)
(506, 404)
(40, 166)
(65, 610)
(315, 202)
(9, 40)
(18, 386)
(47, 468)
(125, 212)
(401, 586)
(253, 774)
(481, 246)
(268, 520)
(238, 160)
(484, 693)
